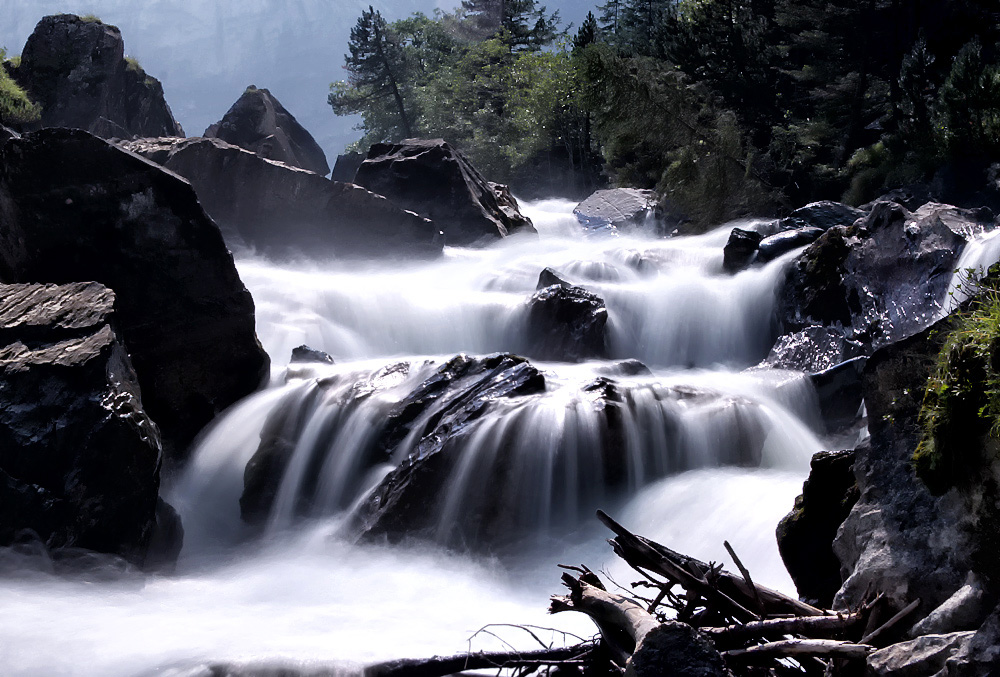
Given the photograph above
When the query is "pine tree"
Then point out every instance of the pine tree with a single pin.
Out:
(376, 67)
(524, 24)
(588, 34)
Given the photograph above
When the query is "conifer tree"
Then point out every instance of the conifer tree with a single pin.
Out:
(526, 25)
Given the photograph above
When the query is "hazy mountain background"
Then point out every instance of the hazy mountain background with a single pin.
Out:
(206, 52)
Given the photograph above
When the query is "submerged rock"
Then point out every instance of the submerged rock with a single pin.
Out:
(434, 180)
(284, 211)
(260, 124)
(83, 209)
(79, 457)
(306, 354)
(565, 323)
(805, 536)
(77, 71)
(616, 207)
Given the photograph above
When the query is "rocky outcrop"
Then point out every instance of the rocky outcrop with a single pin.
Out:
(565, 323)
(346, 167)
(884, 277)
(284, 211)
(79, 457)
(805, 535)
(77, 71)
(619, 208)
(78, 208)
(259, 123)
(434, 180)
(740, 250)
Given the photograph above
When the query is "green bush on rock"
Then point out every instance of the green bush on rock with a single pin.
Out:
(15, 107)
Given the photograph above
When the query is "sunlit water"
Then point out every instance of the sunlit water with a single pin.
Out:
(303, 593)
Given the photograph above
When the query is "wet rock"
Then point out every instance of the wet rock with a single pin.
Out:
(918, 657)
(307, 354)
(882, 279)
(438, 412)
(434, 180)
(740, 250)
(549, 277)
(773, 246)
(839, 391)
(166, 540)
(813, 349)
(284, 211)
(625, 368)
(566, 324)
(823, 215)
(77, 71)
(805, 536)
(79, 457)
(676, 649)
(899, 539)
(260, 124)
(82, 209)
(511, 209)
(619, 208)
(346, 167)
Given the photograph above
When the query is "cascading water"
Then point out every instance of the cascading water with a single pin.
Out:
(691, 451)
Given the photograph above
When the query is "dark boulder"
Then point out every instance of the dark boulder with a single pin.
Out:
(6, 134)
(77, 71)
(676, 649)
(773, 246)
(549, 277)
(346, 167)
(740, 250)
(78, 208)
(823, 215)
(307, 354)
(434, 180)
(618, 208)
(839, 392)
(565, 323)
(79, 457)
(882, 279)
(508, 205)
(284, 211)
(805, 536)
(259, 123)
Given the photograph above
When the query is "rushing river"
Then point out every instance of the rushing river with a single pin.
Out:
(303, 593)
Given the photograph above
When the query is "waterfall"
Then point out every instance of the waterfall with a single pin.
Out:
(689, 447)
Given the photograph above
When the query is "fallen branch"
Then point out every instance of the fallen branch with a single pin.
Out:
(439, 666)
(796, 625)
(799, 648)
(891, 623)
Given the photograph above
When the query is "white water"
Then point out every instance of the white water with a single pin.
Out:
(301, 593)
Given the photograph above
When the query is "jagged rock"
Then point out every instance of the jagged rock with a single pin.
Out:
(77, 71)
(259, 123)
(980, 656)
(883, 278)
(740, 250)
(823, 215)
(565, 323)
(281, 210)
(805, 536)
(773, 246)
(549, 277)
(79, 457)
(899, 539)
(813, 349)
(616, 207)
(920, 657)
(508, 205)
(839, 392)
(307, 354)
(78, 208)
(434, 180)
(346, 167)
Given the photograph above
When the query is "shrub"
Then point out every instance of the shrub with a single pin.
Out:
(15, 107)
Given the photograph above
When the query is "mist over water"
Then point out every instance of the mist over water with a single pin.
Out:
(305, 592)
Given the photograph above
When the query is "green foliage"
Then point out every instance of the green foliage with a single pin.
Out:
(524, 24)
(968, 111)
(16, 108)
(91, 19)
(132, 64)
(960, 416)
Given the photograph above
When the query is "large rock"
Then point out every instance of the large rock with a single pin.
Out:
(434, 180)
(920, 657)
(620, 208)
(740, 250)
(565, 323)
(259, 123)
(282, 210)
(805, 535)
(75, 207)
(813, 349)
(79, 457)
(884, 278)
(823, 215)
(773, 246)
(77, 71)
